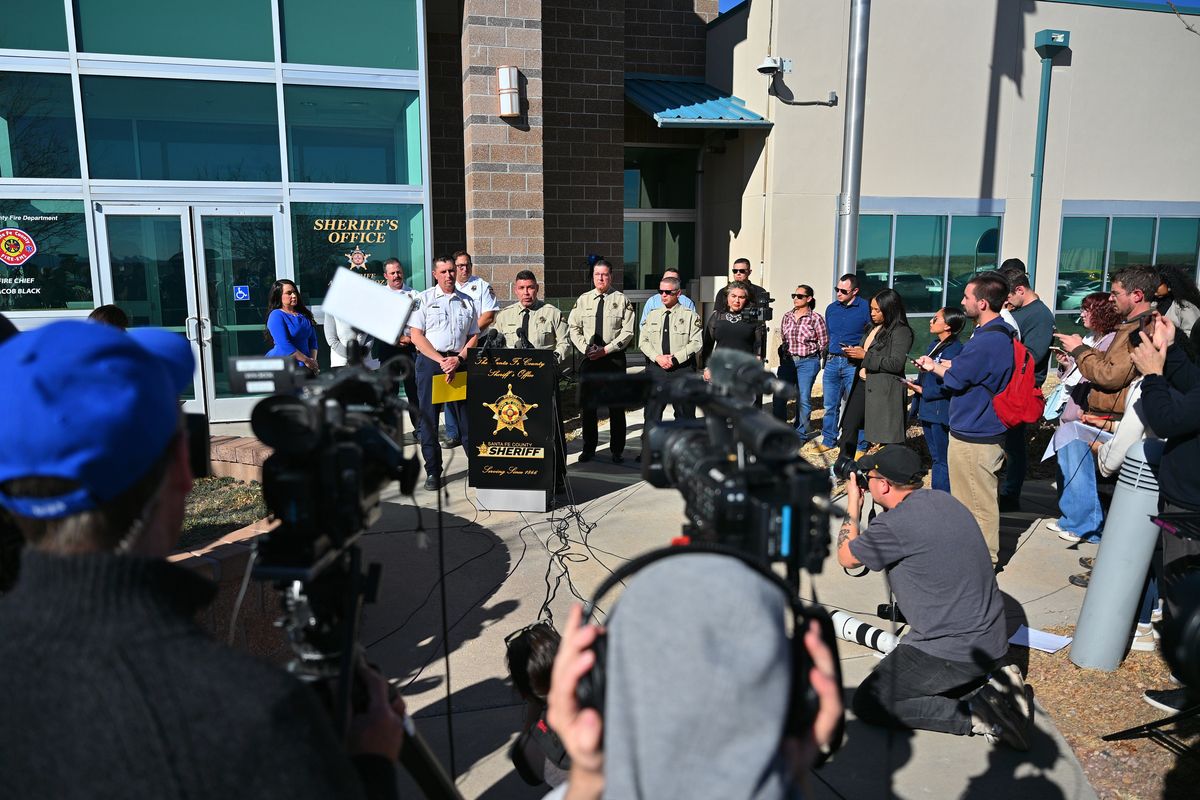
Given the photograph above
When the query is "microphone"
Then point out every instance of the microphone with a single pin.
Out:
(738, 372)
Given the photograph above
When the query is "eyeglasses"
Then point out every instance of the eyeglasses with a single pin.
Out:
(798, 296)
(463, 266)
(741, 272)
(671, 292)
(843, 291)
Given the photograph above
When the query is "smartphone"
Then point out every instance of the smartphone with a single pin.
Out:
(914, 361)
(1056, 349)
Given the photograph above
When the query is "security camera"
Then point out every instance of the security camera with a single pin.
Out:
(770, 66)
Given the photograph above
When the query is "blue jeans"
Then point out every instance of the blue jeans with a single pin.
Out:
(836, 383)
(1078, 499)
(937, 439)
(807, 368)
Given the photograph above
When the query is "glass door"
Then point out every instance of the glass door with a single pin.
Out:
(204, 271)
(147, 268)
(239, 254)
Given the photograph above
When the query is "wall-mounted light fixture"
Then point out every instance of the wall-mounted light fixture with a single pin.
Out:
(508, 87)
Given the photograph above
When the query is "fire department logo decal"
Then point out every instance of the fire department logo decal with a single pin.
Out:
(510, 412)
(16, 246)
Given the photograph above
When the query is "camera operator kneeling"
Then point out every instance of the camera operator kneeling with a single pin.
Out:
(110, 687)
(941, 574)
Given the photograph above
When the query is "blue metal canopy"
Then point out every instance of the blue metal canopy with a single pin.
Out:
(688, 103)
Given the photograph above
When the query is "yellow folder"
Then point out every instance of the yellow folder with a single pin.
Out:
(450, 392)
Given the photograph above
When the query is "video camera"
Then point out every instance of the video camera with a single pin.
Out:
(759, 310)
(739, 469)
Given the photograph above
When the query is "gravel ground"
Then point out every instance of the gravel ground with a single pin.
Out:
(1088, 704)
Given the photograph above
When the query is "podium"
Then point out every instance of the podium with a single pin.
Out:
(513, 420)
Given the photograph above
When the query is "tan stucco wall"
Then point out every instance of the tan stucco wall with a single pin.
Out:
(940, 123)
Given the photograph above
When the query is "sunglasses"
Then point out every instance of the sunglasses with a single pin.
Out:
(798, 296)
(741, 272)
(668, 291)
(843, 291)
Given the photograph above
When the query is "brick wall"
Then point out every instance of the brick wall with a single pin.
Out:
(446, 139)
(583, 44)
(502, 157)
(667, 37)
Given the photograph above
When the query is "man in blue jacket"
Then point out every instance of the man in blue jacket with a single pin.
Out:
(973, 378)
(847, 318)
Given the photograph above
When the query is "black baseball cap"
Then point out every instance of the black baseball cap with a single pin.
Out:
(897, 463)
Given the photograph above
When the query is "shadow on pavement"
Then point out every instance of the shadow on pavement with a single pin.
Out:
(403, 630)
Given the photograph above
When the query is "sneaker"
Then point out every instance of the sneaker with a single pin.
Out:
(1087, 562)
(1156, 614)
(1081, 580)
(1075, 538)
(1144, 639)
(1170, 700)
(995, 719)
(1054, 526)
(1009, 682)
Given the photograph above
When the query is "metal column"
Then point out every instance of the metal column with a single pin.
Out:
(856, 89)
(1048, 44)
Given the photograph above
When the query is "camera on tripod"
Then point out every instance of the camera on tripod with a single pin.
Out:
(759, 310)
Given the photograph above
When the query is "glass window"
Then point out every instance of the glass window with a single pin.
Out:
(354, 33)
(152, 129)
(233, 29)
(1080, 260)
(37, 126)
(874, 253)
(1178, 241)
(1132, 242)
(338, 135)
(660, 177)
(919, 262)
(651, 247)
(974, 247)
(325, 235)
(42, 26)
(44, 262)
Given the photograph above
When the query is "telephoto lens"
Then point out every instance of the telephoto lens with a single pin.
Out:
(846, 466)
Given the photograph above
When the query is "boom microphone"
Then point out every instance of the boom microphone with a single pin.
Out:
(742, 373)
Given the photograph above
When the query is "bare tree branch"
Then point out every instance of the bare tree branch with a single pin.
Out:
(1181, 19)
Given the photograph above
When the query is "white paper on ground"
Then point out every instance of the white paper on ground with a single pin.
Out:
(1039, 640)
(367, 305)
(1069, 432)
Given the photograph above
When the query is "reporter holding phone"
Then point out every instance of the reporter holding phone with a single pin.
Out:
(876, 404)
(930, 403)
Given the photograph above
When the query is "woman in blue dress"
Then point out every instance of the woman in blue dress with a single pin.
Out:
(932, 404)
(290, 326)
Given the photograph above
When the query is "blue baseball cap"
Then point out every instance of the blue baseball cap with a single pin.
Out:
(88, 403)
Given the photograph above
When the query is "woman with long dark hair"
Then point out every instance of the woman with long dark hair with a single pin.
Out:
(291, 330)
(876, 403)
(1177, 297)
(931, 404)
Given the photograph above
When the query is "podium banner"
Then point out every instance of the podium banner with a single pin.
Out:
(510, 409)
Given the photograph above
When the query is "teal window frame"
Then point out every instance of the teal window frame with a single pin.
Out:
(1113, 220)
(895, 210)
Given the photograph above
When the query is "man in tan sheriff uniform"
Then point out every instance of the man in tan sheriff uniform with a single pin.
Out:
(531, 322)
(672, 337)
(534, 323)
(601, 327)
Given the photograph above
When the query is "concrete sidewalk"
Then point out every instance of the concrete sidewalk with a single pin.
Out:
(500, 567)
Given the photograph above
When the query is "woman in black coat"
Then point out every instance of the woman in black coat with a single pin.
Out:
(876, 404)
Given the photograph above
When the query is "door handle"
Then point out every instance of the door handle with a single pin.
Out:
(187, 326)
(206, 329)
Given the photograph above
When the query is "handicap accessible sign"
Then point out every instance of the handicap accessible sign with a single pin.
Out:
(241, 293)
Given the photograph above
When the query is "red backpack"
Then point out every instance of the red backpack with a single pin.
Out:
(1021, 400)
